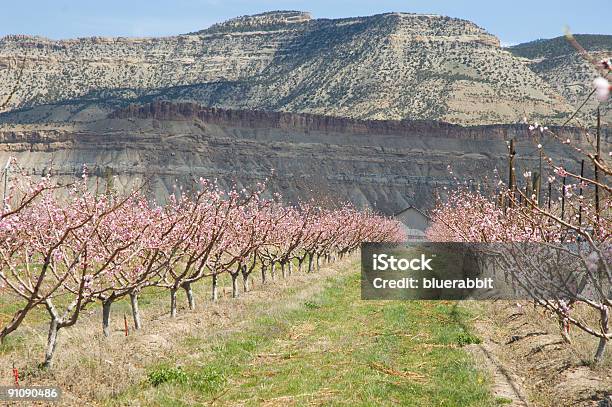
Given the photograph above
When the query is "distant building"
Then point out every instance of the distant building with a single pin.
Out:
(415, 222)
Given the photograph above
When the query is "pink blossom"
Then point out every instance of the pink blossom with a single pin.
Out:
(602, 89)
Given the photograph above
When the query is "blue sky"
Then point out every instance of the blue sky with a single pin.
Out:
(512, 21)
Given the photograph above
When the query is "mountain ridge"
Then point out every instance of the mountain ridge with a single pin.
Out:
(557, 62)
(385, 66)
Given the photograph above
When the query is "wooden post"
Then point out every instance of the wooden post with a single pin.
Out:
(563, 199)
(537, 182)
(538, 187)
(527, 193)
(580, 194)
(511, 172)
(5, 174)
(549, 194)
(597, 155)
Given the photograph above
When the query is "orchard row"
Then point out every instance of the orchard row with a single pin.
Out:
(65, 247)
(570, 230)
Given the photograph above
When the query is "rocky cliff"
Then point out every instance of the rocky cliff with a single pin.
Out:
(383, 164)
(388, 66)
(367, 109)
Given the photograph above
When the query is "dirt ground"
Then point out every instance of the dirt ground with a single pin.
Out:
(533, 366)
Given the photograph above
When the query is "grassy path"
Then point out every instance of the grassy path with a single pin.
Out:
(332, 350)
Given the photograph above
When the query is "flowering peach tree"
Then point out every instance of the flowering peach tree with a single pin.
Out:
(574, 223)
(65, 247)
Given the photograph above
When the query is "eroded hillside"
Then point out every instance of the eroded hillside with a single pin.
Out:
(382, 164)
(559, 64)
(387, 66)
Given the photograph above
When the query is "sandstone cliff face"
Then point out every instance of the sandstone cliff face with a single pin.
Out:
(382, 164)
(388, 66)
(267, 21)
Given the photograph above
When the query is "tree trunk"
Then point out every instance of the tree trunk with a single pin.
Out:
(51, 343)
(283, 269)
(273, 270)
(189, 293)
(263, 274)
(601, 348)
(564, 328)
(310, 262)
(318, 262)
(106, 310)
(215, 287)
(135, 311)
(300, 261)
(245, 282)
(173, 302)
(235, 285)
(290, 267)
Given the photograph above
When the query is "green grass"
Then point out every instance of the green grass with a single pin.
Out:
(149, 297)
(334, 349)
(10, 304)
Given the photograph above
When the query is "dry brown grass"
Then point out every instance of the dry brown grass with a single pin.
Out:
(89, 367)
(413, 376)
(528, 343)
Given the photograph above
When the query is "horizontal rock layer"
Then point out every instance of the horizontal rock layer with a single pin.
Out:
(382, 164)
